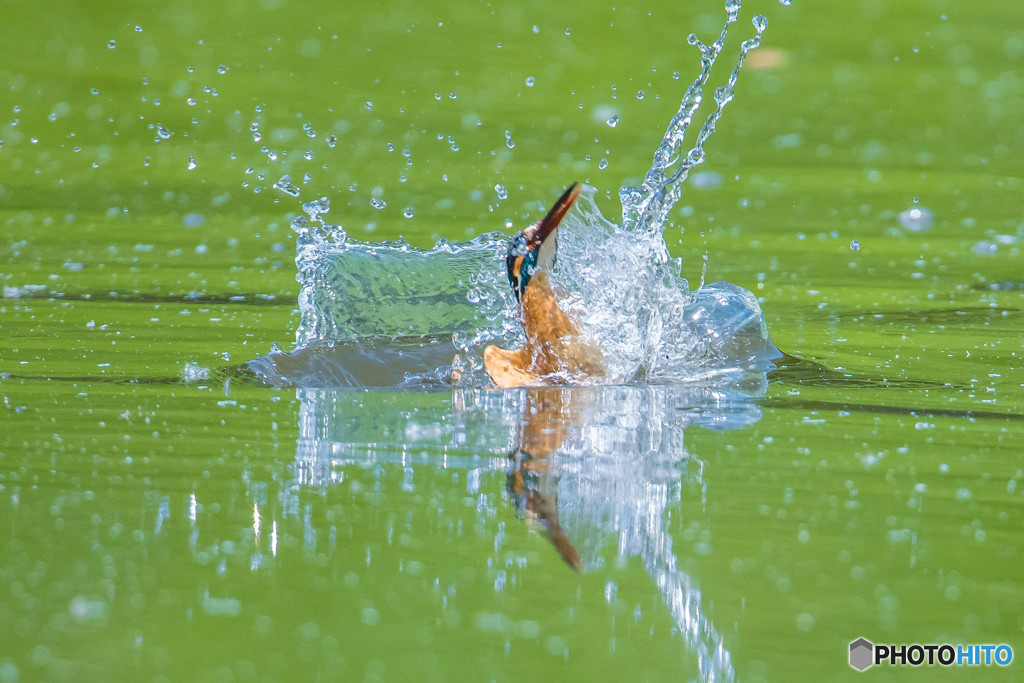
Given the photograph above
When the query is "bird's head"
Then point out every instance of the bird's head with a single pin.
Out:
(536, 247)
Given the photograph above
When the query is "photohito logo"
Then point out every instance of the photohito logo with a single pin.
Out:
(864, 654)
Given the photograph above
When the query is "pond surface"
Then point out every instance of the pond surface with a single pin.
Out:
(163, 515)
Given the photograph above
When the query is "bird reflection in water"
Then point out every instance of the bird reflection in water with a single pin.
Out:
(533, 485)
(599, 469)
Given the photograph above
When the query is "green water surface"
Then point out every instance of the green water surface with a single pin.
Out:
(152, 529)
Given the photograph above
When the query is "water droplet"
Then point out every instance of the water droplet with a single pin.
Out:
(529, 81)
(162, 132)
(191, 163)
(332, 140)
(284, 184)
(452, 96)
(916, 219)
(639, 94)
(307, 177)
(369, 106)
(603, 164)
(138, 29)
(508, 139)
(985, 248)
(613, 121)
(378, 203)
(784, 2)
(191, 102)
(112, 44)
(409, 212)
(222, 69)
(536, 29)
(502, 192)
(568, 31)
(854, 244)
(760, 22)
(917, 199)
(308, 156)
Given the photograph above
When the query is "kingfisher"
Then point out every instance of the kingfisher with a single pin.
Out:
(555, 351)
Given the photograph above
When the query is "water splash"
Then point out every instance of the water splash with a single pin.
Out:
(384, 314)
(645, 208)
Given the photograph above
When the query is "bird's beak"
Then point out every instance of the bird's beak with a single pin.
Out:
(548, 224)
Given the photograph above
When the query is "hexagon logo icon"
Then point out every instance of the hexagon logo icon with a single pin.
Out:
(861, 654)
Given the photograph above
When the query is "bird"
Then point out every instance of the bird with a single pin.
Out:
(555, 351)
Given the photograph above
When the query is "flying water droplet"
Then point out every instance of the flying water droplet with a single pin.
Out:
(529, 81)
(603, 164)
(732, 8)
(162, 132)
(916, 219)
(378, 203)
(502, 192)
(785, 2)
(369, 106)
(332, 140)
(284, 184)
(112, 44)
(308, 156)
(191, 163)
(508, 140)
(409, 212)
(639, 94)
(854, 244)
(222, 69)
(613, 121)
